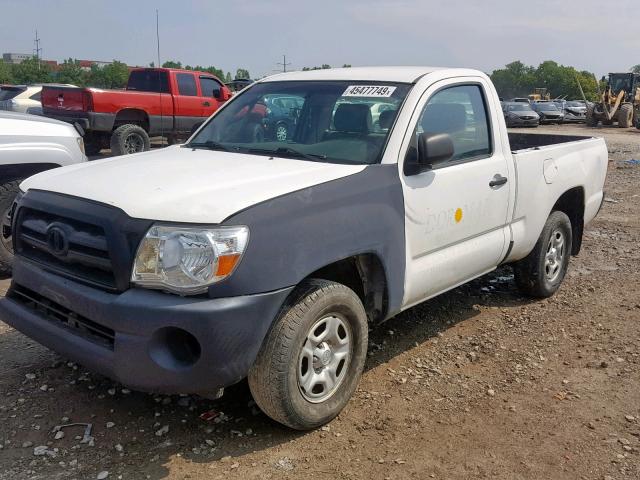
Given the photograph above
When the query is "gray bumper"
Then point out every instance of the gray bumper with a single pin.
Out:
(228, 331)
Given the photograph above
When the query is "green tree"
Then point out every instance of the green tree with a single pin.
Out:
(6, 73)
(242, 73)
(636, 68)
(114, 75)
(519, 80)
(71, 72)
(171, 64)
(31, 71)
(227, 78)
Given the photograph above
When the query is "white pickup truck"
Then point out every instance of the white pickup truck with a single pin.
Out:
(30, 144)
(188, 269)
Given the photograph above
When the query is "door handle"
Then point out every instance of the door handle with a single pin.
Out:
(206, 104)
(498, 180)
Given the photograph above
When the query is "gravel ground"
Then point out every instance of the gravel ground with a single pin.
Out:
(477, 383)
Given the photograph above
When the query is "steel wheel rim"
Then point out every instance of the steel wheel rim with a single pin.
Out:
(554, 257)
(281, 133)
(324, 358)
(133, 143)
(6, 226)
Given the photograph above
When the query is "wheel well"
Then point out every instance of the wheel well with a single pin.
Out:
(364, 274)
(572, 204)
(9, 173)
(133, 116)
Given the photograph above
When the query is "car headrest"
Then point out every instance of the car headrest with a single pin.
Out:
(444, 118)
(352, 117)
(386, 118)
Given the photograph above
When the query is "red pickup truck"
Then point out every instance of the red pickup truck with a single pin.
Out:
(157, 102)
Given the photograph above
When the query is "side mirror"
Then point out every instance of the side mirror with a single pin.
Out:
(431, 150)
(223, 94)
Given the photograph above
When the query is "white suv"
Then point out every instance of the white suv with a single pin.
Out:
(29, 145)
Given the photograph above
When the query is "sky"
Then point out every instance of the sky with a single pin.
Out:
(483, 34)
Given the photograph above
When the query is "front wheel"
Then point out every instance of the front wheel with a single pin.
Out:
(312, 358)
(541, 272)
(625, 115)
(8, 192)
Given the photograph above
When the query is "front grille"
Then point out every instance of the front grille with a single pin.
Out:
(527, 117)
(56, 313)
(65, 245)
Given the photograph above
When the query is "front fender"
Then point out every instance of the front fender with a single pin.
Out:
(295, 234)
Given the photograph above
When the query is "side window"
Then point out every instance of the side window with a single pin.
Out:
(187, 84)
(461, 112)
(36, 96)
(209, 86)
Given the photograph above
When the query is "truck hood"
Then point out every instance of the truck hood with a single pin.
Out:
(178, 184)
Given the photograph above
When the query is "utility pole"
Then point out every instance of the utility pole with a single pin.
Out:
(37, 50)
(284, 63)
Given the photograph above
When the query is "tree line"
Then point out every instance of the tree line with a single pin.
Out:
(113, 75)
(519, 80)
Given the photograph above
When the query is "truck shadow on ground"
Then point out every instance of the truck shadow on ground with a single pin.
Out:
(236, 427)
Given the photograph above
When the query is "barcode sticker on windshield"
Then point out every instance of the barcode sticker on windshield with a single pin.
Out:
(382, 91)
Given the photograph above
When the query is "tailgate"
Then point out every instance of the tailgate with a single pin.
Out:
(66, 99)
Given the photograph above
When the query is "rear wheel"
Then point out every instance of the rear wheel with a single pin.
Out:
(128, 139)
(625, 116)
(282, 132)
(312, 358)
(541, 272)
(8, 192)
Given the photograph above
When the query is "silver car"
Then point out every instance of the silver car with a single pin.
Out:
(575, 111)
(548, 111)
(519, 114)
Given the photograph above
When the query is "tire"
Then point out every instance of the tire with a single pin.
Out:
(128, 139)
(257, 133)
(282, 132)
(8, 192)
(625, 115)
(282, 368)
(92, 148)
(534, 276)
(590, 119)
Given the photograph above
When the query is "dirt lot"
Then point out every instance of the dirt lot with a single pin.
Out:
(478, 383)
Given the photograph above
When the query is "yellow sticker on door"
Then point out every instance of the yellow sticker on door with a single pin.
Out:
(458, 215)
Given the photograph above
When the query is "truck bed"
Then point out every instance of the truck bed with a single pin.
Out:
(524, 141)
(546, 166)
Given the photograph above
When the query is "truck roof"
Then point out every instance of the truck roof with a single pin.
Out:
(179, 70)
(385, 74)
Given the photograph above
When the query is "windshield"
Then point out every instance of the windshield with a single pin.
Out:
(7, 93)
(522, 107)
(331, 121)
(574, 104)
(546, 107)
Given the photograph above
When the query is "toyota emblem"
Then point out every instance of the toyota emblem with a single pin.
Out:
(57, 241)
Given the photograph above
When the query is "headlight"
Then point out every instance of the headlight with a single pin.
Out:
(81, 144)
(187, 260)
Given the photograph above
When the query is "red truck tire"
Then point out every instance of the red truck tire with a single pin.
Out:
(129, 138)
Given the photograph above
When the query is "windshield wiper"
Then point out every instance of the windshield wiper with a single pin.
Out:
(211, 145)
(288, 152)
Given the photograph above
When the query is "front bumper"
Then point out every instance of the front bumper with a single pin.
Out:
(142, 325)
(522, 122)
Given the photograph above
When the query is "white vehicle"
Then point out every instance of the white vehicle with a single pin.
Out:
(188, 269)
(29, 145)
(22, 98)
